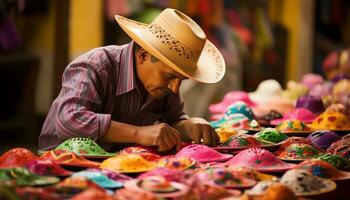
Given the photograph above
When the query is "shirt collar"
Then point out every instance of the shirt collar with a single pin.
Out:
(127, 77)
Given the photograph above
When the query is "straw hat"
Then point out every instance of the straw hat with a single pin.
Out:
(180, 43)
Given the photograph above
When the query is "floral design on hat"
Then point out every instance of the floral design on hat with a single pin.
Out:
(335, 160)
(240, 141)
(323, 139)
(202, 153)
(224, 177)
(84, 147)
(323, 169)
(128, 163)
(16, 157)
(293, 126)
(270, 135)
(68, 158)
(304, 183)
(332, 119)
(299, 152)
(259, 159)
(176, 162)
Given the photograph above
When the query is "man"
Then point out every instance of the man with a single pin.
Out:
(130, 93)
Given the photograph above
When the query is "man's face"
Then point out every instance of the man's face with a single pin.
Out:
(157, 78)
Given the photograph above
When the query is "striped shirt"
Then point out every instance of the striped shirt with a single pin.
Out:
(97, 87)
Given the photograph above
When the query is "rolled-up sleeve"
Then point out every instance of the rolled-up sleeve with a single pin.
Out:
(80, 107)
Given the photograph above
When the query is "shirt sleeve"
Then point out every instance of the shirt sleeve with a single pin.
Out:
(174, 109)
(80, 108)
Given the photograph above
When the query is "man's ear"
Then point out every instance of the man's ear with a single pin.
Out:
(142, 55)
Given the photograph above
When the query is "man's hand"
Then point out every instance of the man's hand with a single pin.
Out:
(198, 130)
(161, 135)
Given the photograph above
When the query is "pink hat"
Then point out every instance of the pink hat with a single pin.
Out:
(310, 80)
(230, 98)
(259, 159)
(202, 153)
(301, 114)
(47, 168)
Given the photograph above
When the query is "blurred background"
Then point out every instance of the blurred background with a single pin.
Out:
(260, 39)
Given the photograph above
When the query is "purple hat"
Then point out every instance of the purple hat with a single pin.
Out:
(313, 103)
(323, 139)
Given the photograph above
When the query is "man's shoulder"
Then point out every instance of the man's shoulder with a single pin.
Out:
(100, 53)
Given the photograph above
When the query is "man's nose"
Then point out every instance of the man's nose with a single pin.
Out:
(174, 85)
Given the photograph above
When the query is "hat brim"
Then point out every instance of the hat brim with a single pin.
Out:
(210, 65)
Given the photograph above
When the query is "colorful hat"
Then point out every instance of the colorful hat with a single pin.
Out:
(159, 186)
(226, 132)
(343, 151)
(239, 142)
(68, 158)
(128, 163)
(335, 160)
(251, 173)
(78, 182)
(312, 103)
(224, 177)
(16, 157)
(92, 193)
(301, 114)
(112, 175)
(323, 169)
(332, 119)
(176, 162)
(323, 139)
(84, 147)
(304, 183)
(299, 152)
(133, 194)
(229, 99)
(260, 188)
(270, 135)
(239, 107)
(202, 153)
(99, 178)
(167, 173)
(344, 141)
(292, 140)
(310, 80)
(47, 168)
(265, 120)
(23, 177)
(293, 126)
(259, 159)
(266, 90)
(294, 90)
(135, 150)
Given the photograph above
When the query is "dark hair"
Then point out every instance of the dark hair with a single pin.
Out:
(137, 47)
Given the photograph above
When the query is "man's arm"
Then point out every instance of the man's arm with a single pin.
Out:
(198, 130)
(161, 135)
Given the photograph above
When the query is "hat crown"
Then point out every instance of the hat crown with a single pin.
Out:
(178, 37)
